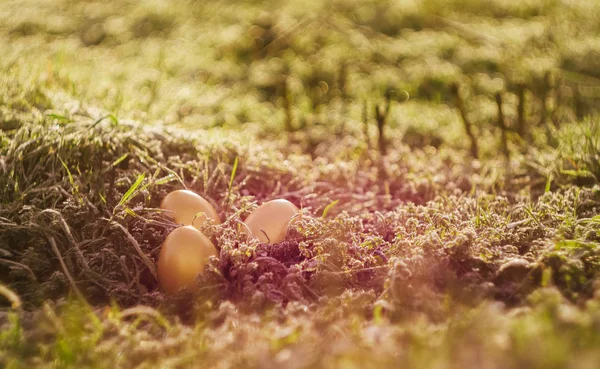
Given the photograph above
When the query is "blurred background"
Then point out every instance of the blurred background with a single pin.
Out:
(322, 68)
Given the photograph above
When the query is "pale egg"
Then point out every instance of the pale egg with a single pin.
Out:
(270, 221)
(183, 255)
(188, 208)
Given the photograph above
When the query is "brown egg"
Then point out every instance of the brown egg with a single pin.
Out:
(184, 205)
(182, 257)
(269, 222)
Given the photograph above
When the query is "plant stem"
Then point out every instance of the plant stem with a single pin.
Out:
(522, 119)
(502, 125)
(455, 88)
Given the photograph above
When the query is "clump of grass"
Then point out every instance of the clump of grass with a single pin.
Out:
(575, 158)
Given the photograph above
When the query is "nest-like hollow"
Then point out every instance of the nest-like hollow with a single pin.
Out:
(303, 268)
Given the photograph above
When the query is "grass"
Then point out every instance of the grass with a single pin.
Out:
(423, 245)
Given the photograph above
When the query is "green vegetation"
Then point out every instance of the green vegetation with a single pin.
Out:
(446, 153)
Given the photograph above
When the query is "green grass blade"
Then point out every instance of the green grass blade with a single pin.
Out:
(69, 175)
(235, 165)
(130, 192)
(329, 207)
(119, 160)
(548, 183)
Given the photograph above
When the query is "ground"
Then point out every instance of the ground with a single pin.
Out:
(445, 155)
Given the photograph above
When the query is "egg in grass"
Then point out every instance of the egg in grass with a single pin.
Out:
(183, 255)
(188, 208)
(269, 222)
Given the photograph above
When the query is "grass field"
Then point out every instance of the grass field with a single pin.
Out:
(446, 154)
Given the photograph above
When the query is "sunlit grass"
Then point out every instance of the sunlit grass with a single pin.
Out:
(410, 252)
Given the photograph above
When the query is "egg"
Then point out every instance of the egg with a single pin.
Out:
(269, 222)
(183, 255)
(184, 205)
